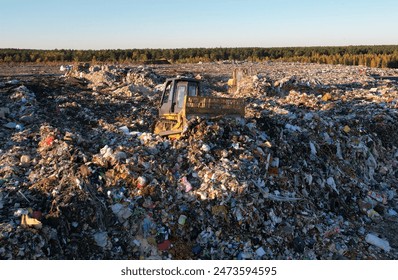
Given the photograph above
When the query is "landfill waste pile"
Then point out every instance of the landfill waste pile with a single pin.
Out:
(309, 173)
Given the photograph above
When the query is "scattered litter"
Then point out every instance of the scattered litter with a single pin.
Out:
(4, 111)
(260, 252)
(306, 174)
(378, 242)
(347, 129)
(26, 221)
(101, 239)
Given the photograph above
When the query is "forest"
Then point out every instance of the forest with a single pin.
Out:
(383, 56)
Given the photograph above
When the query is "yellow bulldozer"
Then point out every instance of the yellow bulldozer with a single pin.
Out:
(182, 100)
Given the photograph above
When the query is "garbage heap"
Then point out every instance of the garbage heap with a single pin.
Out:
(303, 176)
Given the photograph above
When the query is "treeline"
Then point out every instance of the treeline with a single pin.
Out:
(373, 56)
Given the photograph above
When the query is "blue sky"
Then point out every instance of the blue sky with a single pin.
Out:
(123, 24)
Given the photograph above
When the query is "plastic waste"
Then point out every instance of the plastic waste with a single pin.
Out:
(147, 225)
(293, 128)
(141, 182)
(10, 125)
(124, 129)
(378, 242)
(182, 219)
(260, 252)
(313, 149)
(101, 239)
(165, 245)
(187, 185)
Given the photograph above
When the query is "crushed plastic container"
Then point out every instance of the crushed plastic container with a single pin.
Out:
(378, 242)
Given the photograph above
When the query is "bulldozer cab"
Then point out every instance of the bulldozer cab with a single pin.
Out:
(176, 89)
(181, 100)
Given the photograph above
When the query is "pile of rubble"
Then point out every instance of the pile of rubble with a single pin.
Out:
(308, 174)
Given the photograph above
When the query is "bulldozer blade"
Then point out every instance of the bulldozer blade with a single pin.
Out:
(170, 132)
(214, 106)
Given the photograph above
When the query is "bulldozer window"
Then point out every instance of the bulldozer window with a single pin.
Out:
(166, 93)
(181, 90)
(192, 90)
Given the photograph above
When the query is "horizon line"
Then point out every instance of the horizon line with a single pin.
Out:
(219, 47)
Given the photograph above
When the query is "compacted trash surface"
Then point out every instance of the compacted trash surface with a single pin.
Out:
(311, 172)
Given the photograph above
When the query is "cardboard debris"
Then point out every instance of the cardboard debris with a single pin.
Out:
(26, 221)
